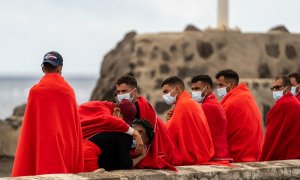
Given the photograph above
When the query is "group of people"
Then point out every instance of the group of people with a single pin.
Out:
(58, 136)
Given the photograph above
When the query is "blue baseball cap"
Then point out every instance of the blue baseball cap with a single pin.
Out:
(53, 58)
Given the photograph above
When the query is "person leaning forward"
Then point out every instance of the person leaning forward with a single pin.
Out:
(161, 151)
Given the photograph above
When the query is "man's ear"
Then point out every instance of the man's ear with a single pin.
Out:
(179, 90)
(43, 69)
(59, 70)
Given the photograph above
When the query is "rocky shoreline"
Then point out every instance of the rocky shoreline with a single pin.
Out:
(6, 166)
(10, 128)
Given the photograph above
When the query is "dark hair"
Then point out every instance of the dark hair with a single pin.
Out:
(285, 79)
(296, 76)
(204, 78)
(228, 74)
(128, 80)
(49, 67)
(173, 80)
(147, 126)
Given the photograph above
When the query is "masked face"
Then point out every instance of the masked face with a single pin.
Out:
(278, 94)
(197, 95)
(168, 99)
(293, 90)
(120, 97)
(222, 91)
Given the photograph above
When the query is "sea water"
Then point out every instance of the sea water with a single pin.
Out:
(14, 90)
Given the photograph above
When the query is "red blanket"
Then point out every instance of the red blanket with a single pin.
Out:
(245, 136)
(96, 117)
(50, 139)
(189, 131)
(298, 96)
(217, 122)
(160, 154)
(282, 130)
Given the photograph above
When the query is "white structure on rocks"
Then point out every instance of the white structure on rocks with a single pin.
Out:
(223, 9)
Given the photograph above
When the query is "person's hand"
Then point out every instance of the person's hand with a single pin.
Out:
(144, 151)
(169, 115)
(139, 142)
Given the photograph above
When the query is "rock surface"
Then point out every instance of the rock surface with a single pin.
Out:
(280, 28)
(10, 129)
(191, 28)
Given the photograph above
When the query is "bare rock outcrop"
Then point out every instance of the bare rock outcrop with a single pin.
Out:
(8, 140)
(10, 129)
(191, 27)
(151, 58)
(117, 64)
(279, 28)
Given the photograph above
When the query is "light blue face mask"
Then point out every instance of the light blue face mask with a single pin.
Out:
(125, 96)
(133, 145)
(197, 95)
(293, 90)
(222, 91)
(168, 99)
(278, 94)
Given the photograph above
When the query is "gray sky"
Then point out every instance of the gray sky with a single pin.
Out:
(83, 31)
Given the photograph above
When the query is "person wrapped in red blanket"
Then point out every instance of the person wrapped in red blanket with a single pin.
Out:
(50, 139)
(283, 126)
(105, 143)
(187, 127)
(160, 153)
(295, 84)
(202, 92)
(244, 130)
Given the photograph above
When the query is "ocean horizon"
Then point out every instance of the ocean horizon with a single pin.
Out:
(14, 89)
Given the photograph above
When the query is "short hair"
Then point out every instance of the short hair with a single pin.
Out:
(203, 78)
(49, 67)
(147, 126)
(285, 79)
(128, 80)
(228, 74)
(173, 80)
(296, 76)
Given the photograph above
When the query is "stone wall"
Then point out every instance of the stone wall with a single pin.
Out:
(151, 58)
(289, 169)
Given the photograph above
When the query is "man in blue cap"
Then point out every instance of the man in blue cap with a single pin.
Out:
(50, 139)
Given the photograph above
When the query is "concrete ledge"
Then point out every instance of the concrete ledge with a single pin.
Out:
(288, 169)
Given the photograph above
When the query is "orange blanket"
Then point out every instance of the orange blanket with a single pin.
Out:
(50, 139)
(217, 122)
(189, 131)
(245, 136)
(282, 130)
(160, 153)
(96, 117)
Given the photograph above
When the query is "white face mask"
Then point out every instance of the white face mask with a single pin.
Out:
(278, 94)
(170, 100)
(222, 91)
(197, 95)
(293, 90)
(125, 96)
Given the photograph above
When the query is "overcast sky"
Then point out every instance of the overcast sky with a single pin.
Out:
(83, 31)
